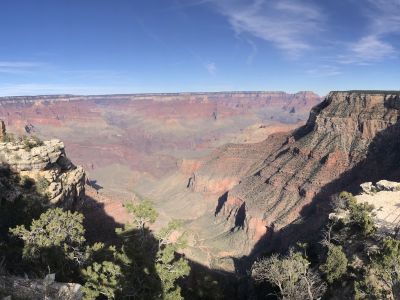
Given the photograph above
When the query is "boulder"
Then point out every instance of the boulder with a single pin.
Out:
(385, 185)
(35, 289)
(368, 188)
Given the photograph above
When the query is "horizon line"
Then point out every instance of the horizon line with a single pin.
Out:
(159, 94)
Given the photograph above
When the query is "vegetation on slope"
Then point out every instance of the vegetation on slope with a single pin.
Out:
(37, 240)
(353, 261)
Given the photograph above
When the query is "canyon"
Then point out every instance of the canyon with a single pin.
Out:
(121, 140)
(244, 171)
(246, 199)
(132, 145)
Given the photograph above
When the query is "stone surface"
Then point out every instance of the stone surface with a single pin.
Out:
(386, 202)
(385, 185)
(64, 183)
(31, 289)
(367, 187)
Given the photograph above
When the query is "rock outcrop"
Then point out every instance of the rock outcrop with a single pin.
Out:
(2, 129)
(385, 198)
(46, 165)
(268, 188)
(21, 288)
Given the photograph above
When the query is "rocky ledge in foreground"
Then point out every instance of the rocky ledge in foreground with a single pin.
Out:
(23, 288)
(385, 198)
(45, 165)
(38, 170)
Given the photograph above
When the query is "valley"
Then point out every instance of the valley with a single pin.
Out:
(238, 168)
(122, 140)
(238, 191)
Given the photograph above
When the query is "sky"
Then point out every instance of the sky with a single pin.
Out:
(133, 46)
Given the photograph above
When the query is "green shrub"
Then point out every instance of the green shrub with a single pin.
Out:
(143, 213)
(31, 142)
(336, 263)
(361, 215)
(291, 275)
(101, 279)
(362, 218)
(41, 185)
(365, 289)
(54, 242)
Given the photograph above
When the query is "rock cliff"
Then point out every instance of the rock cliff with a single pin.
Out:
(32, 169)
(267, 188)
(45, 165)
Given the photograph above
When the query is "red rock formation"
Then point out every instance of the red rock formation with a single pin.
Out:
(147, 135)
(272, 183)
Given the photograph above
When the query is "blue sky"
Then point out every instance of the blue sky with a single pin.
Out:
(130, 46)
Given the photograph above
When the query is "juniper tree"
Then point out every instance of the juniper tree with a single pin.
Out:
(143, 213)
(169, 266)
(336, 263)
(291, 275)
(101, 279)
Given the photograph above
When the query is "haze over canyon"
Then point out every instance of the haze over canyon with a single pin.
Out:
(144, 146)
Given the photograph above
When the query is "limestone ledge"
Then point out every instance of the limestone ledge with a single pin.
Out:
(21, 158)
(65, 181)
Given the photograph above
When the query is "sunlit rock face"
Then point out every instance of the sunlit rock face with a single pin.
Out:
(46, 164)
(262, 189)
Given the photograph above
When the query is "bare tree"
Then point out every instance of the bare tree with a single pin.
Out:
(292, 276)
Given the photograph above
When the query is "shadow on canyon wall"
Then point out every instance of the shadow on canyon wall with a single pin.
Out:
(202, 282)
(382, 162)
(99, 226)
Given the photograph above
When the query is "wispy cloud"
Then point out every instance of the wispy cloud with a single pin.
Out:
(370, 49)
(288, 24)
(324, 71)
(384, 20)
(19, 67)
(180, 4)
(211, 68)
(385, 16)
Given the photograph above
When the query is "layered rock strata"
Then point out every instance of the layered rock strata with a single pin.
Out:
(277, 185)
(46, 165)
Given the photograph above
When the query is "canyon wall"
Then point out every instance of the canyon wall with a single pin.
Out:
(146, 136)
(256, 192)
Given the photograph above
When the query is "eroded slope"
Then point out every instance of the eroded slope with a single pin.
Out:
(256, 191)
